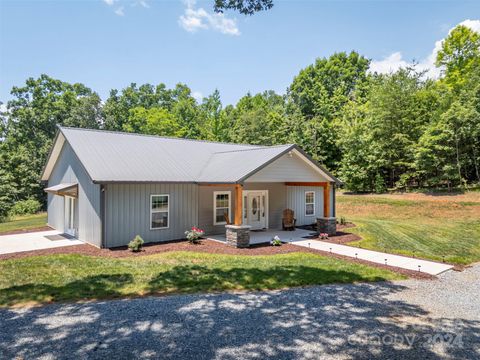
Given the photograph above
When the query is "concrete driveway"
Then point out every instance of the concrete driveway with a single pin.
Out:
(412, 319)
(34, 241)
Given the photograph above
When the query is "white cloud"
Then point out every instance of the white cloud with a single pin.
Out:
(472, 24)
(119, 11)
(143, 3)
(390, 63)
(197, 95)
(195, 19)
(120, 5)
(395, 61)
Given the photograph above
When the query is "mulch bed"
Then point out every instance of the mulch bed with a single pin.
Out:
(206, 246)
(340, 238)
(343, 237)
(24, 231)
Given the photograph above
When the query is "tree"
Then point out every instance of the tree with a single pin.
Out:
(361, 164)
(185, 108)
(117, 107)
(30, 126)
(399, 107)
(246, 7)
(435, 156)
(460, 55)
(259, 119)
(178, 102)
(215, 124)
(323, 88)
(320, 92)
(153, 121)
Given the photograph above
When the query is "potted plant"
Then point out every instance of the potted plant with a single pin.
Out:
(194, 234)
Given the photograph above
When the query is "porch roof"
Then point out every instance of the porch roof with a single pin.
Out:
(68, 189)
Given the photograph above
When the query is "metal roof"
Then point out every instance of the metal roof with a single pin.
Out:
(70, 189)
(125, 157)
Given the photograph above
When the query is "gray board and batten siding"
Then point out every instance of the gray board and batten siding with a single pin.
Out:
(117, 173)
(87, 220)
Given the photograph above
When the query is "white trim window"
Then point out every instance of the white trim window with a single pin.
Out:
(159, 211)
(222, 205)
(309, 203)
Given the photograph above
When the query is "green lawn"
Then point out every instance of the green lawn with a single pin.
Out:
(24, 222)
(42, 279)
(433, 227)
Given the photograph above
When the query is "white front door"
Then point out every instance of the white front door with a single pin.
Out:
(69, 215)
(255, 209)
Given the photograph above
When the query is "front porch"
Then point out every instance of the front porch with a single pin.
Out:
(265, 236)
(253, 213)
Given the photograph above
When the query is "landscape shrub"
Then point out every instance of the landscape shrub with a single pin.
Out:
(136, 244)
(25, 207)
(276, 241)
(194, 234)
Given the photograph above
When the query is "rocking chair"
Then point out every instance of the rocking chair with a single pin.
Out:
(288, 220)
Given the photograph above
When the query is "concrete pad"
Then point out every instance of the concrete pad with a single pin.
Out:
(265, 236)
(34, 241)
(404, 262)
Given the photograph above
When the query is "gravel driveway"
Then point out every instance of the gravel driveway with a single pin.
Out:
(425, 319)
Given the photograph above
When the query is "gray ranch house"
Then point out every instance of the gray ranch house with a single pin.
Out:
(104, 187)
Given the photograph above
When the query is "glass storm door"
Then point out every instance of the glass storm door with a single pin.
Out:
(255, 210)
(69, 215)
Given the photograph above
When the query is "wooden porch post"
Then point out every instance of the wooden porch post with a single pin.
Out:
(238, 204)
(326, 200)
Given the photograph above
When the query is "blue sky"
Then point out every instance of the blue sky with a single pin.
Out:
(108, 44)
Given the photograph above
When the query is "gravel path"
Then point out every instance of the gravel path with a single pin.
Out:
(426, 319)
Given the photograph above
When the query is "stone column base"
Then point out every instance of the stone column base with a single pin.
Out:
(238, 235)
(327, 225)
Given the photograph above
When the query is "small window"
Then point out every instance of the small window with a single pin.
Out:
(221, 207)
(159, 211)
(309, 203)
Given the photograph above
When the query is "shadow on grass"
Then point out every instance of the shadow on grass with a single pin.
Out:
(182, 279)
(90, 287)
(200, 278)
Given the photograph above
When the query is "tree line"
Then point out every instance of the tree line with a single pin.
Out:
(374, 131)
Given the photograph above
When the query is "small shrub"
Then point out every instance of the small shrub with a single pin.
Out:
(136, 244)
(276, 241)
(323, 236)
(343, 221)
(379, 185)
(4, 210)
(25, 207)
(194, 234)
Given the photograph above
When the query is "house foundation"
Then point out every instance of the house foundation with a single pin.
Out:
(238, 235)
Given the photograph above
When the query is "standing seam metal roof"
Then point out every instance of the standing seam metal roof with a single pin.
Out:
(125, 157)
